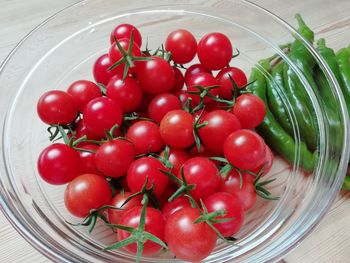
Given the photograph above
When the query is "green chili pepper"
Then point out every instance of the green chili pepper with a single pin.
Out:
(331, 114)
(296, 95)
(332, 61)
(325, 90)
(295, 90)
(273, 133)
(300, 55)
(343, 58)
(275, 88)
(298, 50)
(346, 183)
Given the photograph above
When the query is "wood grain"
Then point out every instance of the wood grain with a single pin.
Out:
(331, 19)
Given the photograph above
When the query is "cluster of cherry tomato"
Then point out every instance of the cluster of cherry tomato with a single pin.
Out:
(164, 153)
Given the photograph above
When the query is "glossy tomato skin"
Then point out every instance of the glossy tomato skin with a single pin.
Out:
(162, 104)
(57, 107)
(113, 158)
(204, 80)
(170, 208)
(267, 164)
(250, 110)
(182, 45)
(145, 136)
(86, 192)
(221, 124)
(124, 31)
(176, 129)
(179, 80)
(81, 131)
(226, 86)
(147, 167)
(154, 224)
(126, 92)
(245, 149)
(214, 51)
(187, 240)
(115, 55)
(101, 71)
(101, 114)
(58, 164)
(231, 204)
(193, 70)
(177, 158)
(204, 174)
(183, 96)
(87, 159)
(114, 215)
(245, 192)
(155, 76)
(82, 92)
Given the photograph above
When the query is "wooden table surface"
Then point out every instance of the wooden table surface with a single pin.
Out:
(330, 242)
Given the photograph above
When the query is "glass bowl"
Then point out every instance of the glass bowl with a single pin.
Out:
(63, 48)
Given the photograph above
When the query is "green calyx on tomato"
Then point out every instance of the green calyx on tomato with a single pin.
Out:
(138, 235)
(127, 57)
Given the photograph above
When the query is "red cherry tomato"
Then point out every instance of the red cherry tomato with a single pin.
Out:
(87, 159)
(214, 51)
(115, 54)
(226, 85)
(188, 240)
(200, 114)
(169, 191)
(215, 105)
(58, 164)
(101, 114)
(232, 205)
(145, 136)
(179, 80)
(245, 149)
(204, 80)
(267, 164)
(182, 45)
(82, 92)
(162, 104)
(101, 71)
(57, 107)
(114, 215)
(86, 192)
(203, 173)
(244, 190)
(113, 158)
(193, 70)
(126, 92)
(146, 100)
(154, 224)
(155, 76)
(250, 110)
(147, 167)
(83, 131)
(124, 31)
(171, 207)
(222, 124)
(183, 96)
(202, 152)
(177, 158)
(176, 129)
